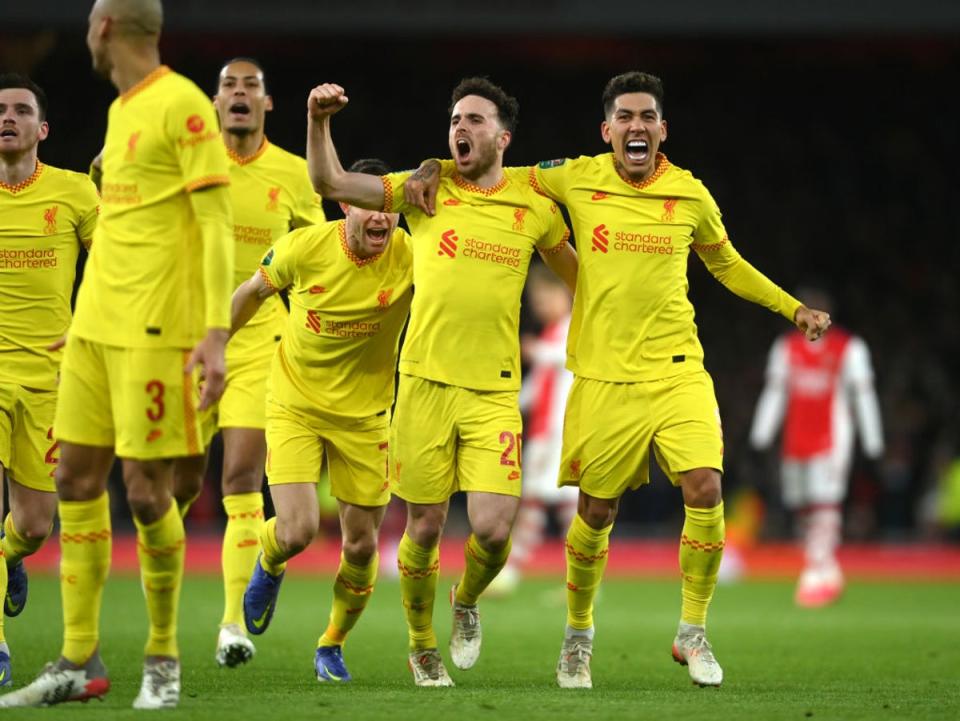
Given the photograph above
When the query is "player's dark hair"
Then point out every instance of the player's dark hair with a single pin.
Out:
(246, 59)
(508, 109)
(15, 80)
(370, 166)
(632, 82)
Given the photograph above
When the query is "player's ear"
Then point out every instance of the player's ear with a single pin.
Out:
(268, 103)
(663, 131)
(44, 130)
(605, 131)
(504, 140)
(344, 208)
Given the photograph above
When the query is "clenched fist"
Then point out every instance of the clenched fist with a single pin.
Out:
(326, 100)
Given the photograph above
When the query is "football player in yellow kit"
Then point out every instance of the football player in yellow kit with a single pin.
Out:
(639, 380)
(271, 195)
(47, 214)
(154, 306)
(457, 425)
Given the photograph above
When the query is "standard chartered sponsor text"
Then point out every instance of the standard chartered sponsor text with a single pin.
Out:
(30, 258)
(493, 252)
(252, 234)
(643, 243)
(351, 328)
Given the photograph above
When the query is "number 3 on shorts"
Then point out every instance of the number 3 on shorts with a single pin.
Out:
(155, 390)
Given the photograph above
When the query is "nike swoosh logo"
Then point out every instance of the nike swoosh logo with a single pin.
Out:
(13, 607)
(3, 675)
(331, 675)
(258, 622)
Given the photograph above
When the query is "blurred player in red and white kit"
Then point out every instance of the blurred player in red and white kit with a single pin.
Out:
(543, 399)
(820, 390)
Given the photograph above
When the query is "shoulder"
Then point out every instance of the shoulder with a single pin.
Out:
(74, 186)
(283, 157)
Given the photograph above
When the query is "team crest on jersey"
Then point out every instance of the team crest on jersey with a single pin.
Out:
(519, 215)
(195, 124)
(273, 198)
(575, 469)
(383, 298)
(451, 201)
(268, 258)
(50, 220)
(668, 207)
(132, 141)
(547, 164)
(599, 195)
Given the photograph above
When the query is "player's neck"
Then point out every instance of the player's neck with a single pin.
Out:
(14, 169)
(132, 64)
(488, 178)
(244, 145)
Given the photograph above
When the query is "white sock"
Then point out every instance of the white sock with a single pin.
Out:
(586, 633)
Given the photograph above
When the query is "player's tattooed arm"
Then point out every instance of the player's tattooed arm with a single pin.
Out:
(420, 189)
(812, 323)
(329, 178)
(247, 300)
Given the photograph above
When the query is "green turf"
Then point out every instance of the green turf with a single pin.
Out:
(888, 651)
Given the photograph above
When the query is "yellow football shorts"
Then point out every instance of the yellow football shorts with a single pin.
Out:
(609, 429)
(27, 448)
(356, 451)
(446, 439)
(244, 399)
(137, 400)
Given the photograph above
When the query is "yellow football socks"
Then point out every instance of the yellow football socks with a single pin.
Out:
(701, 548)
(85, 546)
(587, 550)
(419, 572)
(481, 568)
(241, 544)
(161, 548)
(16, 546)
(351, 591)
(272, 559)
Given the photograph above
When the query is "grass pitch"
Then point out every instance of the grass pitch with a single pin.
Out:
(887, 651)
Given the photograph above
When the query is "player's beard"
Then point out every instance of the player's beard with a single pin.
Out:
(486, 157)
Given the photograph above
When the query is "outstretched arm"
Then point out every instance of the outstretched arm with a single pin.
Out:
(327, 174)
(247, 300)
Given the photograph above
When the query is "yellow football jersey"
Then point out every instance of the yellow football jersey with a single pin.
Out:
(470, 264)
(271, 194)
(632, 320)
(338, 354)
(44, 220)
(143, 283)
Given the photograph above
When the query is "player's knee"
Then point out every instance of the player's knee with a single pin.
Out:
(360, 550)
(425, 530)
(241, 480)
(702, 488)
(295, 536)
(35, 528)
(147, 503)
(493, 537)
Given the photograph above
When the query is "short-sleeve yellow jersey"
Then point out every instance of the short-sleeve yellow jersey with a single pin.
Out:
(43, 221)
(143, 283)
(632, 320)
(338, 354)
(271, 195)
(470, 262)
